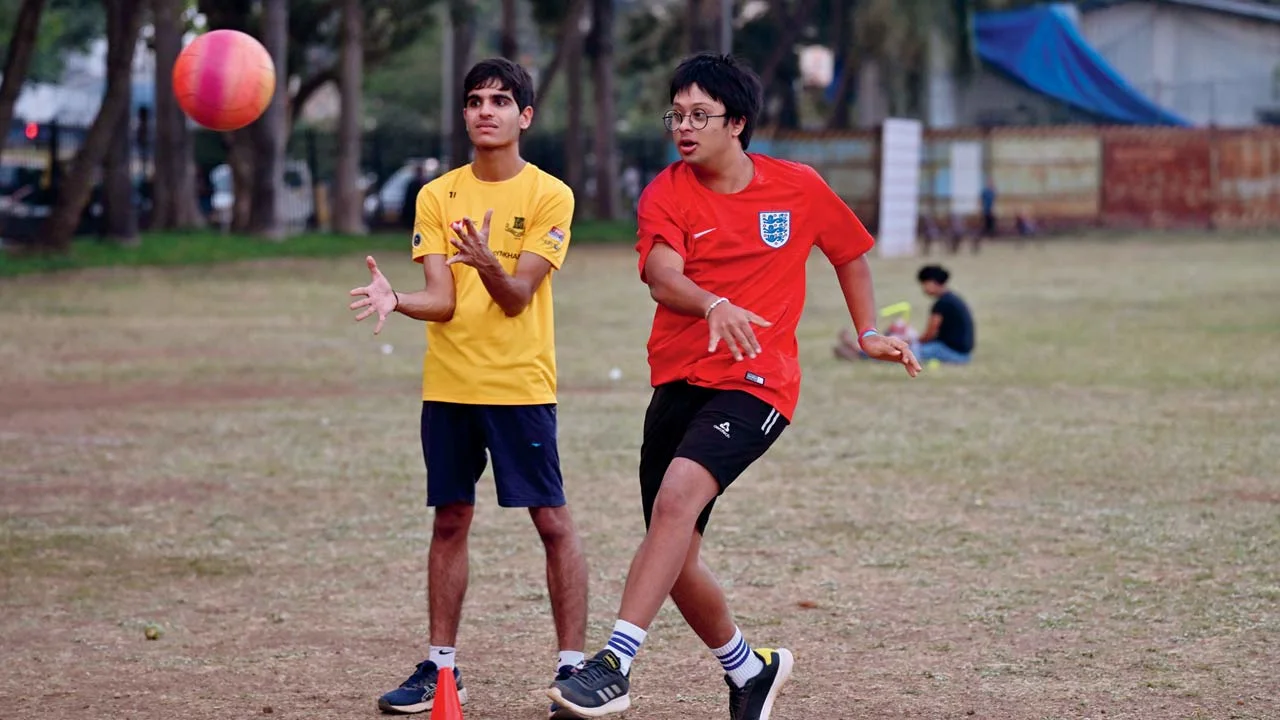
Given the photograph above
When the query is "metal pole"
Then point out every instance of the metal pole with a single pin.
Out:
(726, 26)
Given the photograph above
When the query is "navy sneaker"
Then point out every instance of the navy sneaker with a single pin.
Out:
(598, 688)
(557, 712)
(418, 693)
(754, 701)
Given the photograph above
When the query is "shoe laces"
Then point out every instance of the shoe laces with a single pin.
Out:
(592, 671)
(419, 679)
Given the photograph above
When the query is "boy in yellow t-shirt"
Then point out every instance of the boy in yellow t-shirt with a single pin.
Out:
(489, 372)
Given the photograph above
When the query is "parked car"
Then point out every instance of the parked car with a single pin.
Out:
(382, 208)
(295, 197)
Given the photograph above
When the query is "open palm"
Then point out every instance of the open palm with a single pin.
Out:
(378, 297)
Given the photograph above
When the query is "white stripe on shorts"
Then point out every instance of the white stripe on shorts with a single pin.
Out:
(769, 420)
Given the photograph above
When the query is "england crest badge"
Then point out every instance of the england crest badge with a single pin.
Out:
(775, 228)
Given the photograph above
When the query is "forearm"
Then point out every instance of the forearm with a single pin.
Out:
(859, 294)
(675, 291)
(426, 305)
(927, 336)
(506, 290)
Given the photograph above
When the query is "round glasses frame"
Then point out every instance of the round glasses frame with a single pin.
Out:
(698, 119)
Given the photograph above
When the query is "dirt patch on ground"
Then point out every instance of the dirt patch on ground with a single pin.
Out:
(19, 399)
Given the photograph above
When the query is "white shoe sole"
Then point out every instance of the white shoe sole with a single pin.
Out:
(387, 707)
(786, 661)
(615, 705)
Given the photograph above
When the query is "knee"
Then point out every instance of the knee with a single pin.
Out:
(554, 524)
(685, 491)
(452, 522)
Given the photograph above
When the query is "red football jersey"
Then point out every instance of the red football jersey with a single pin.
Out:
(751, 247)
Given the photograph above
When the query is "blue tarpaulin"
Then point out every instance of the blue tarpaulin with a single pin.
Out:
(1042, 49)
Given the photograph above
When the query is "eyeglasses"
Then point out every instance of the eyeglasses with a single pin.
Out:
(698, 119)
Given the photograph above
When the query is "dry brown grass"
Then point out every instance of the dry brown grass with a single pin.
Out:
(1085, 523)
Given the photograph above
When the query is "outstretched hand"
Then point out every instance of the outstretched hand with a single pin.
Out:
(472, 244)
(891, 349)
(732, 324)
(378, 296)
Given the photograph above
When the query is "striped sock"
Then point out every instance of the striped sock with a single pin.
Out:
(738, 660)
(625, 643)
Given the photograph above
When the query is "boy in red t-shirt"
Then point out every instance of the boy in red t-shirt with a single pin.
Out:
(723, 240)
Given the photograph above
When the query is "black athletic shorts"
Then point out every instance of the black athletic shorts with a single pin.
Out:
(724, 431)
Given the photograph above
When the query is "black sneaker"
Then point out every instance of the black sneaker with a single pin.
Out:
(598, 688)
(418, 693)
(754, 701)
(557, 712)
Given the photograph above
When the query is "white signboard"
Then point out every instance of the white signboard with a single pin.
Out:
(900, 149)
(966, 178)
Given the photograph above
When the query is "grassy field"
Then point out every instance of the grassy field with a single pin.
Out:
(1085, 523)
(210, 246)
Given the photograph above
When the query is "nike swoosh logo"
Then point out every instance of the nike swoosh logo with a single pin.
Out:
(700, 234)
(446, 652)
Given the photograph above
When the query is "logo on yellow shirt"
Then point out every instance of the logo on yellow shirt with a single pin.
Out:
(516, 227)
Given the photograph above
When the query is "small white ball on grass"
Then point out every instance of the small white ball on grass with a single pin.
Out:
(615, 374)
(387, 349)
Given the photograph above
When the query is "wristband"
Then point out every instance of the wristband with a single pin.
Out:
(397, 307)
(713, 305)
(867, 333)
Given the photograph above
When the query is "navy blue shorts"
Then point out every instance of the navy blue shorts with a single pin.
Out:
(521, 439)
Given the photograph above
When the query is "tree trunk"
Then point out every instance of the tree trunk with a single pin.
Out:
(700, 26)
(843, 43)
(606, 146)
(509, 45)
(119, 212)
(462, 17)
(18, 60)
(241, 152)
(574, 148)
(348, 205)
(269, 130)
(569, 35)
(174, 201)
(60, 228)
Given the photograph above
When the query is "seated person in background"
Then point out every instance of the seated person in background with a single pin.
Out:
(949, 336)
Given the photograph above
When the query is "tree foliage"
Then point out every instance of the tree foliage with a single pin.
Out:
(65, 26)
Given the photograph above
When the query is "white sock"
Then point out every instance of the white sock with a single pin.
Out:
(740, 663)
(572, 658)
(625, 643)
(442, 656)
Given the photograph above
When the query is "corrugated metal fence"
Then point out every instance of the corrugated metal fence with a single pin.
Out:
(1073, 176)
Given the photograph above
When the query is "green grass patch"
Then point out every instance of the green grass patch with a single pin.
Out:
(170, 249)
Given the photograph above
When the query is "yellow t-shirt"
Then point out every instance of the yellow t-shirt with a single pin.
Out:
(481, 356)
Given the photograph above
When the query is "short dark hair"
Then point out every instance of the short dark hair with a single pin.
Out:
(505, 74)
(727, 81)
(936, 273)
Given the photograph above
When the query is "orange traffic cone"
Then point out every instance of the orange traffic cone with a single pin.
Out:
(447, 705)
